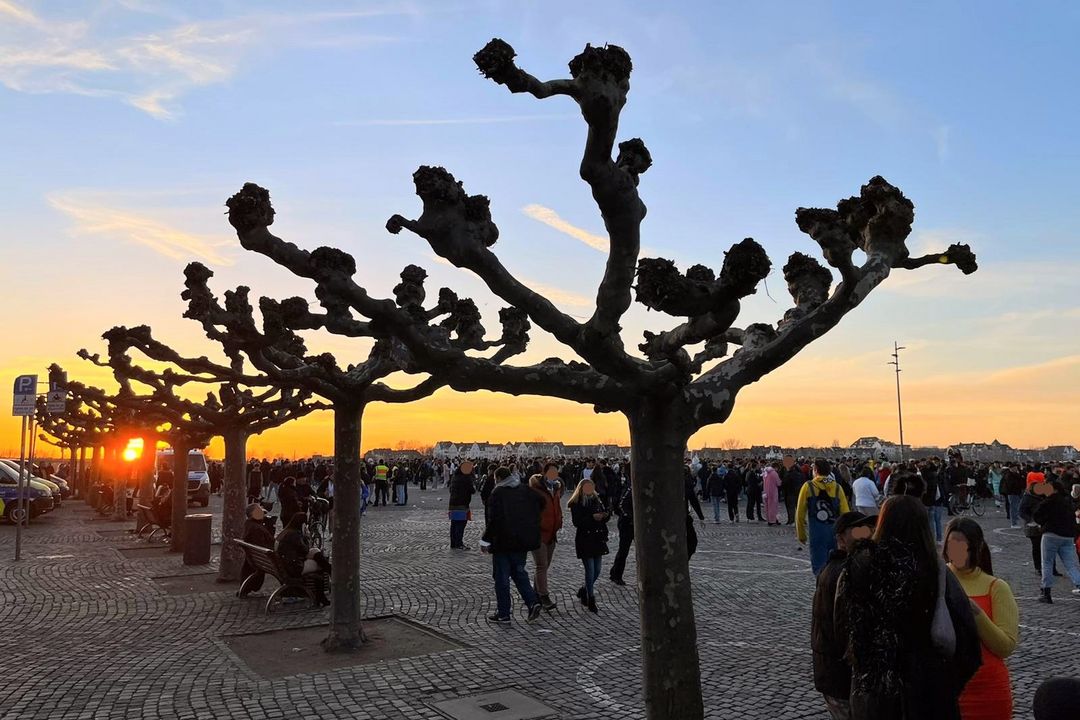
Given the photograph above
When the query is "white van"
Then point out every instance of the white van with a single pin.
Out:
(198, 476)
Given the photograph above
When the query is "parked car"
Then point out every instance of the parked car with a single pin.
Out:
(12, 467)
(40, 499)
(198, 477)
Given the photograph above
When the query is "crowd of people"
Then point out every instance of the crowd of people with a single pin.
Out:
(909, 620)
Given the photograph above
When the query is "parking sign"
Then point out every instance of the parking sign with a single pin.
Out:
(25, 396)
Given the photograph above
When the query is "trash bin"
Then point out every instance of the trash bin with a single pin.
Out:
(197, 539)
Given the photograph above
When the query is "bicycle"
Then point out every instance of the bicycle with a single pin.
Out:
(318, 512)
(972, 504)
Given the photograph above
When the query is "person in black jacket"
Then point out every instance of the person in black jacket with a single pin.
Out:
(791, 483)
(832, 674)
(1057, 518)
(625, 511)
(294, 551)
(714, 490)
(461, 492)
(513, 530)
(733, 485)
(256, 533)
(289, 499)
(753, 491)
(590, 517)
(695, 506)
(1012, 487)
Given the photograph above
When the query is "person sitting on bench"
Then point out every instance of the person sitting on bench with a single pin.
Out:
(300, 560)
(256, 533)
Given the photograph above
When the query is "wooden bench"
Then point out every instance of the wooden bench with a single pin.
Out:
(146, 521)
(270, 563)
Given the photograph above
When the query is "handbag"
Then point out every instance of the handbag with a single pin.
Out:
(942, 632)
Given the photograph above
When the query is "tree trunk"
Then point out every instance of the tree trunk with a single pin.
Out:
(672, 675)
(233, 512)
(121, 477)
(90, 475)
(79, 476)
(179, 494)
(345, 608)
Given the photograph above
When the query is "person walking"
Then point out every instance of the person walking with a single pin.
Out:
(590, 518)
(1057, 518)
(1012, 487)
(753, 491)
(988, 695)
(733, 485)
(625, 511)
(911, 637)
(715, 489)
(693, 508)
(821, 502)
(794, 479)
(512, 531)
(771, 481)
(551, 521)
(461, 492)
(867, 496)
(934, 499)
(1033, 496)
(832, 674)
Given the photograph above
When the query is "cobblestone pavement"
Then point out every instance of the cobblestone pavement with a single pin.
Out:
(88, 634)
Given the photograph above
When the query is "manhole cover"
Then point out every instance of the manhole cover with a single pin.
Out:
(496, 705)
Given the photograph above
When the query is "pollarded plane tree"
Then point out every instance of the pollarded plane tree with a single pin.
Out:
(106, 425)
(278, 351)
(153, 417)
(240, 405)
(684, 378)
(74, 430)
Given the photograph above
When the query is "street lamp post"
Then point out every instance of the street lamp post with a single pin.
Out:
(899, 409)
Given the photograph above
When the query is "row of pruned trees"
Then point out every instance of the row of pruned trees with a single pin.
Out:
(675, 383)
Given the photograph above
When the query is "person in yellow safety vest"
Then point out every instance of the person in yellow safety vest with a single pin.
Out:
(382, 484)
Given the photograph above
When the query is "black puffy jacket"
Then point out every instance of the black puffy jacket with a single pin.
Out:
(513, 519)
(591, 537)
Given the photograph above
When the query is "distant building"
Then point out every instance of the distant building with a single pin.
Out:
(396, 455)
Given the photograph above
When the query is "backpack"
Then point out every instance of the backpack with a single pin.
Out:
(825, 507)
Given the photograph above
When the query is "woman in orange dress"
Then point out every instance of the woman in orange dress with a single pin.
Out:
(988, 695)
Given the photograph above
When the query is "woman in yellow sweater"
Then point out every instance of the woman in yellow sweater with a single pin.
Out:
(988, 695)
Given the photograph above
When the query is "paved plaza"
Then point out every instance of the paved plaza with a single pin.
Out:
(88, 633)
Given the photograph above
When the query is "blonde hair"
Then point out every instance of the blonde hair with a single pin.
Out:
(578, 491)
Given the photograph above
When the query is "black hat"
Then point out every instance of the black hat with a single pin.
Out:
(853, 519)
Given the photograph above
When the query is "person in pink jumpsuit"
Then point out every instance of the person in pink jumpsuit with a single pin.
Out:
(772, 494)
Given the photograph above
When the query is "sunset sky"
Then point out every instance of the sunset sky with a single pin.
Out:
(127, 123)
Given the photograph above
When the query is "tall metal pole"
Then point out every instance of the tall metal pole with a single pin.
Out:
(899, 408)
(23, 508)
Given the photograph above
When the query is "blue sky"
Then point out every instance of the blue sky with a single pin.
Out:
(128, 122)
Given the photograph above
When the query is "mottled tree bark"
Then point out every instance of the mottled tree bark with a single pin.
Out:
(79, 475)
(179, 494)
(345, 606)
(234, 489)
(121, 478)
(672, 678)
(91, 474)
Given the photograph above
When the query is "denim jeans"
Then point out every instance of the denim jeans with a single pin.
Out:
(937, 519)
(400, 495)
(716, 507)
(592, 571)
(507, 566)
(1057, 546)
(1014, 510)
(457, 533)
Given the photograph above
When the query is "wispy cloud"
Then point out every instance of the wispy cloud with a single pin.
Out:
(551, 218)
(92, 218)
(557, 295)
(406, 122)
(151, 70)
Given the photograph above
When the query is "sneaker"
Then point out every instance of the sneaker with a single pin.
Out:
(534, 612)
(495, 618)
(1076, 591)
(547, 603)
